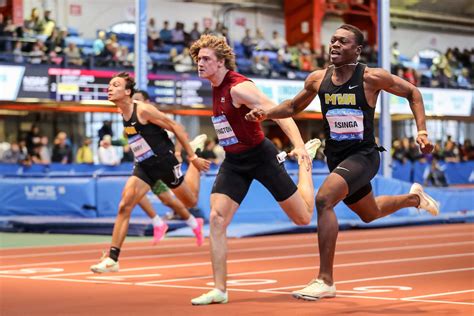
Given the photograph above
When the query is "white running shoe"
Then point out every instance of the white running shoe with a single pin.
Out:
(312, 147)
(105, 265)
(315, 290)
(214, 296)
(198, 142)
(427, 203)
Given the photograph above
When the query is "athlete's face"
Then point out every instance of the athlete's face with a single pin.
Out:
(117, 89)
(208, 64)
(343, 48)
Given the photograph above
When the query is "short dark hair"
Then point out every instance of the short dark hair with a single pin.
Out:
(129, 81)
(145, 94)
(359, 36)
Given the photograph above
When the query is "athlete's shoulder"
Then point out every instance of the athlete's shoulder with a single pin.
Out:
(374, 75)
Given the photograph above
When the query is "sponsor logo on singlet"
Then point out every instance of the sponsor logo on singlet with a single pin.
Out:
(340, 99)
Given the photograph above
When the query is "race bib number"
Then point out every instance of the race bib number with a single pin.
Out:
(224, 131)
(140, 148)
(346, 124)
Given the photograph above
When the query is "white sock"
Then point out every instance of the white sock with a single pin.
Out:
(157, 221)
(191, 221)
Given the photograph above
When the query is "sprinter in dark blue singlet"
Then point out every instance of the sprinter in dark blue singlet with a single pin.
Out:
(348, 92)
(154, 160)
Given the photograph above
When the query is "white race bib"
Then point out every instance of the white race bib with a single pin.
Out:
(346, 124)
(140, 147)
(224, 131)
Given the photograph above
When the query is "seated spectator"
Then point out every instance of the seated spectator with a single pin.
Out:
(194, 35)
(47, 24)
(45, 153)
(450, 152)
(73, 55)
(183, 62)
(463, 79)
(398, 152)
(466, 152)
(261, 66)
(107, 154)
(37, 55)
(165, 33)
(18, 53)
(84, 153)
(62, 152)
(99, 44)
(277, 42)
(33, 24)
(248, 44)
(436, 176)
(152, 32)
(36, 157)
(14, 154)
(177, 34)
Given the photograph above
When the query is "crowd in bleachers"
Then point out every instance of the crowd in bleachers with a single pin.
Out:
(41, 40)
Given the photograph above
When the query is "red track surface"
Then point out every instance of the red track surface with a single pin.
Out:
(422, 270)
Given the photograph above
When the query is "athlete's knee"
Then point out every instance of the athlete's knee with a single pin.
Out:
(368, 217)
(125, 207)
(191, 201)
(323, 202)
(302, 219)
(216, 219)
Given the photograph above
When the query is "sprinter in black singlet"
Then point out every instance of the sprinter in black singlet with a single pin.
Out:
(348, 91)
(154, 160)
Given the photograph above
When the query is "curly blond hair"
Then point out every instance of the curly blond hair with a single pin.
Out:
(220, 47)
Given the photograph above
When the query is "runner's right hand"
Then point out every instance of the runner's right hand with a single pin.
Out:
(256, 115)
(201, 164)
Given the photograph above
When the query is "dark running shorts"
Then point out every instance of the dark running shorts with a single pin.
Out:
(260, 163)
(357, 169)
(164, 167)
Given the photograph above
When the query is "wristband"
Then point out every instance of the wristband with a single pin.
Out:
(192, 158)
(422, 132)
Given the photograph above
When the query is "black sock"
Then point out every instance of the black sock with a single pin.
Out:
(114, 253)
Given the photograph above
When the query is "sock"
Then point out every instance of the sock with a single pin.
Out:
(191, 221)
(114, 253)
(157, 221)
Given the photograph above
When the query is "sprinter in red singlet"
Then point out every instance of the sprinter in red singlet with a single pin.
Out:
(249, 155)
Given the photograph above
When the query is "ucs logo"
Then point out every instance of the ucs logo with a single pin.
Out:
(43, 192)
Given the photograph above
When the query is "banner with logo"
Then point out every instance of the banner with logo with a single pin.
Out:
(48, 197)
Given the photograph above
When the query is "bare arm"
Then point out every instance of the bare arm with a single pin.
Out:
(150, 114)
(383, 80)
(247, 94)
(289, 108)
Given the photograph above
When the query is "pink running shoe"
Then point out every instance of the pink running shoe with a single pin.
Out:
(159, 233)
(198, 231)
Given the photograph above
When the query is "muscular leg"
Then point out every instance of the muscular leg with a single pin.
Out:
(300, 206)
(332, 191)
(370, 208)
(188, 191)
(133, 192)
(145, 204)
(175, 204)
(223, 209)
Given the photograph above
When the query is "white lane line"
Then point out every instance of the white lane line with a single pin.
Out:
(437, 294)
(299, 245)
(442, 302)
(257, 249)
(369, 233)
(394, 276)
(342, 265)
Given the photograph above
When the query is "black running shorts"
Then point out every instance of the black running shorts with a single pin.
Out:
(357, 169)
(260, 163)
(164, 167)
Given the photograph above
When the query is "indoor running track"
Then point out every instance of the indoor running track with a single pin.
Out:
(417, 270)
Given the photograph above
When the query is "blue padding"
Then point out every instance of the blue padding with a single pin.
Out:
(9, 169)
(459, 173)
(401, 171)
(48, 196)
(109, 193)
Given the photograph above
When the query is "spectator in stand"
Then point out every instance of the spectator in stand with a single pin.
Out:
(177, 34)
(261, 66)
(398, 152)
(99, 44)
(47, 24)
(260, 42)
(279, 66)
(45, 153)
(107, 154)
(307, 62)
(33, 24)
(183, 62)
(84, 153)
(153, 34)
(33, 138)
(62, 152)
(395, 62)
(18, 53)
(466, 151)
(165, 33)
(194, 35)
(248, 44)
(463, 79)
(436, 176)
(277, 42)
(37, 55)
(73, 55)
(36, 157)
(14, 154)
(106, 129)
(450, 152)
(410, 75)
